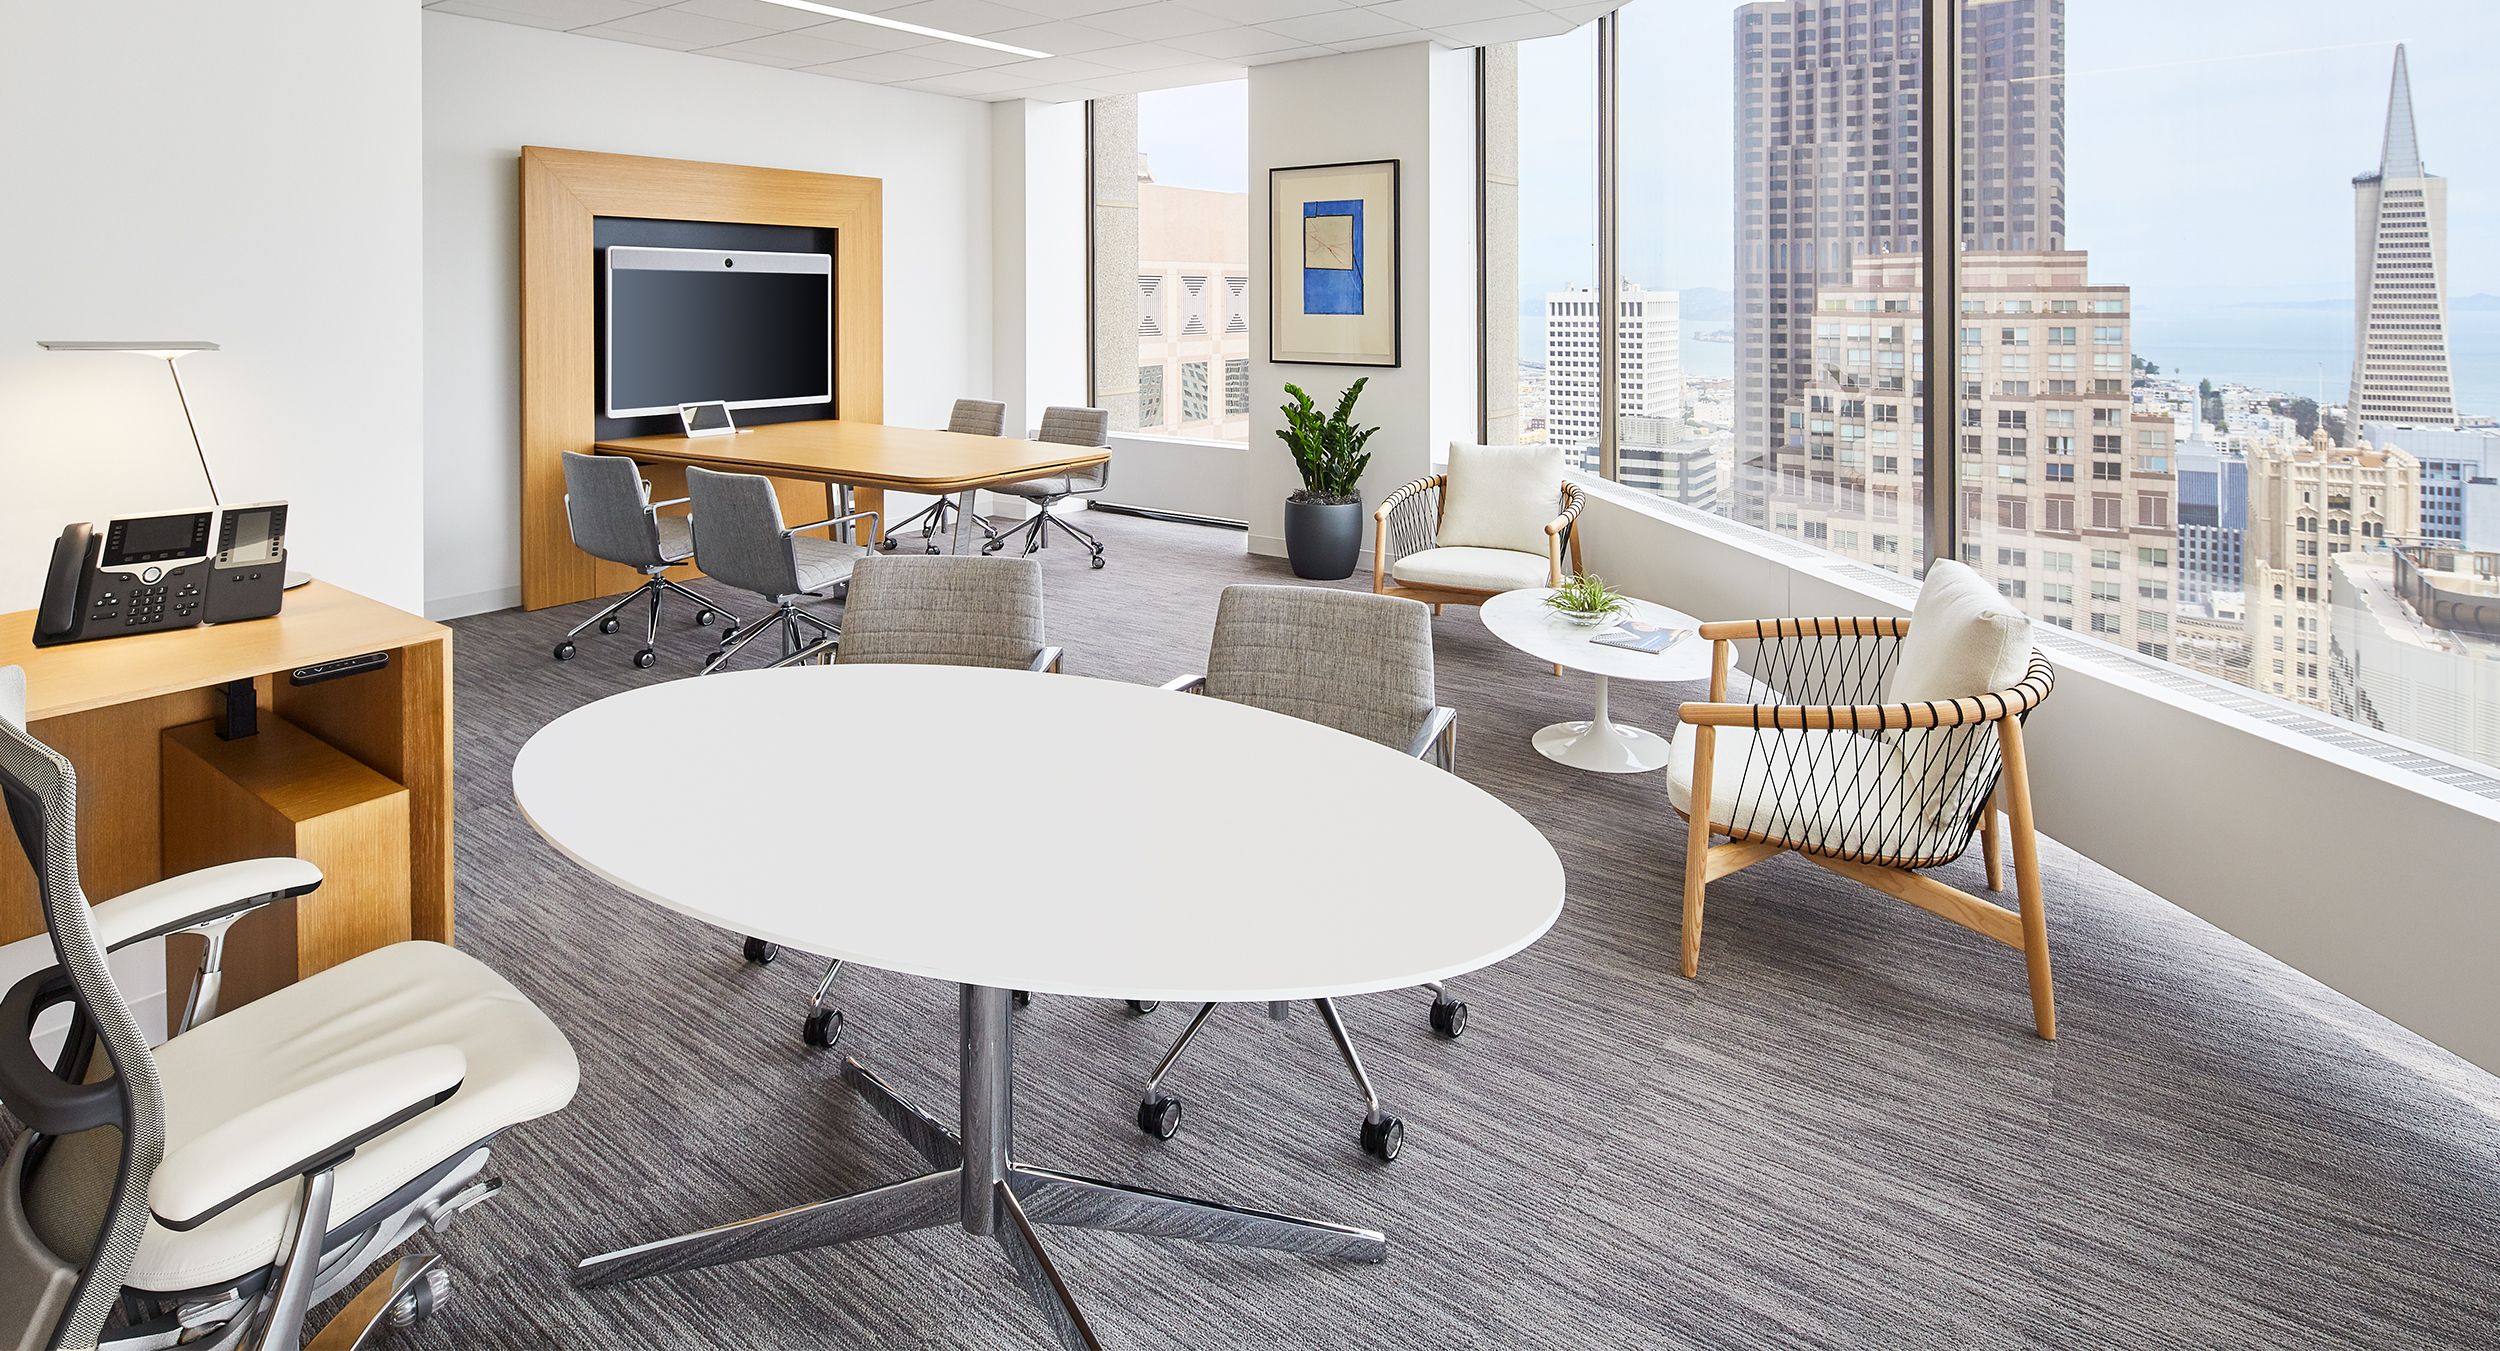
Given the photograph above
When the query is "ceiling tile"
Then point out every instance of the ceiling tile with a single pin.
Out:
(1060, 70)
(970, 83)
(887, 68)
(1156, 22)
(778, 18)
(1067, 9)
(1437, 13)
(1260, 11)
(1138, 56)
(1295, 53)
(977, 17)
(1370, 44)
(1058, 39)
(1517, 28)
(1337, 25)
(543, 13)
(789, 50)
(1231, 44)
(870, 36)
(677, 28)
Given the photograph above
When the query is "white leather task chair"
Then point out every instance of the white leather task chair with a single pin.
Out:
(162, 1196)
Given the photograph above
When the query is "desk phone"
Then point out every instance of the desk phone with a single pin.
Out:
(148, 574)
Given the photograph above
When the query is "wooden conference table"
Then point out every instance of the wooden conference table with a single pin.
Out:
(1201, 882)
(868, 458)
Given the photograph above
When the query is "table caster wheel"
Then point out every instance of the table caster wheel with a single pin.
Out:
(886, 545)
(1383, 1137)
(645, 659)
(762, 953)
(823, 1028)
(1098, 562)
(564, 650)
(1023, 997)
(1449, 1020)
(1142, 1007)
(1160, 1116)
(991, 547)
(705, 617)
(729, 635)
(713, 659)
(608, 625)
(931, 549)
(418, 1302)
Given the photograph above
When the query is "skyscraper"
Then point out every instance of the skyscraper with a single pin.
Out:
(2399, 279)
(1649, 380)
(1827, 127)
(2309, 502)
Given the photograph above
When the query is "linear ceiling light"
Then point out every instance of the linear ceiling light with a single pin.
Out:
(901, 27)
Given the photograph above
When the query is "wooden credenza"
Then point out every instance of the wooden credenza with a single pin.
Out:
(157, 794)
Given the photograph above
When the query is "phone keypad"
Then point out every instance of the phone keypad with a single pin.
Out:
(142, 606)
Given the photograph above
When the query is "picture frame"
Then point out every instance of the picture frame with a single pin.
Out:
(1335, 284)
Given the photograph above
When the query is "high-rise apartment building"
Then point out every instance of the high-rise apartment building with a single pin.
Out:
(2399, 279)
(2415, 645)
(2453, 460)
(2307, 503)
(1827, 168)
(2068, 493)
(1649, 371)
(1660, 455)
(1193, 311)
(2213, 518)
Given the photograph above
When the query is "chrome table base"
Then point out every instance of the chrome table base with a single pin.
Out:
(975, 1183)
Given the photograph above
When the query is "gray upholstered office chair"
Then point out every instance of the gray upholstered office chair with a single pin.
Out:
(1072, 427)
(162, 1196)
(608, 505)
(1363, 665)
(971, 417)
(740, 540)
(945, 611)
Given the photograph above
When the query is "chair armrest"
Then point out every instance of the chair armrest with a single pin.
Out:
(1572, 502)
(1046, 660)
(36, 1093)
(1990, 707)
(1405, 491)
(1433, 729)
(313, 1128)
(1188, 684)
(196, 898)
(1738, 630)
(828, 521)
(672, 502)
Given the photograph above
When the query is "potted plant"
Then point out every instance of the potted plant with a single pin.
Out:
(1586, 600)
(1324, 519)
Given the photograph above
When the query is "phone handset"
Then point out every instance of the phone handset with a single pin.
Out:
(57, 617)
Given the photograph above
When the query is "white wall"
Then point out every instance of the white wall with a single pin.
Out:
(2193, 803)
(491, 88)
(1414, 104)
(245, 173)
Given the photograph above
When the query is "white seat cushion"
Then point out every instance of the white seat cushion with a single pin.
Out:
(1839, 791)
(394, 999)
(823, 562)
(1470, 569)
(1501, 497)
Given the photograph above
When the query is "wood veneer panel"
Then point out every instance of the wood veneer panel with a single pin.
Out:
(561, 192)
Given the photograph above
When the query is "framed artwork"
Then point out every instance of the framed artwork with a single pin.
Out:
(1333, 264)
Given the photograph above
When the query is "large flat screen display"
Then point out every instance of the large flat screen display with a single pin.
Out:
(692, 325)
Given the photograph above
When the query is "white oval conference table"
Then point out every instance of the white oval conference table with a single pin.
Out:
(1231, 855)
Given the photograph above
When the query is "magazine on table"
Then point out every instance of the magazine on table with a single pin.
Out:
(1633, 635)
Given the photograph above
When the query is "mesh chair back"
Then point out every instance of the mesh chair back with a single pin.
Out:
(738, 538)
(1355, 662)
(1080, 427)
(978, 417)
(610, 516)
(943, 611)
(41, 789)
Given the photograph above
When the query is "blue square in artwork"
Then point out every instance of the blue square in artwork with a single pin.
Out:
(1332, 257)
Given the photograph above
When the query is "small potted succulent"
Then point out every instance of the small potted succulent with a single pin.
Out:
(1324, 518)
(1587, 601)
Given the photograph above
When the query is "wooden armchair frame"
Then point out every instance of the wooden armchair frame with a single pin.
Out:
(2024, 929)
(1404, 510)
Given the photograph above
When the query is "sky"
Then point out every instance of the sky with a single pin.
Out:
(2210, 144)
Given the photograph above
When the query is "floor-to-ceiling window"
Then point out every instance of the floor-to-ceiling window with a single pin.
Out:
(1555, 305)
(1189, 251)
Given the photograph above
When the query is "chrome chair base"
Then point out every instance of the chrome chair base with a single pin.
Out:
(932, 519)
(655, 587)
(1036, 533)
(973, 1183)
(793, 624)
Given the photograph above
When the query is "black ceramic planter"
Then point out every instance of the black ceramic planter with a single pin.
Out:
(1323, 539)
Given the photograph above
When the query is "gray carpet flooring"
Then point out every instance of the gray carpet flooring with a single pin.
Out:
(1843, 1134)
